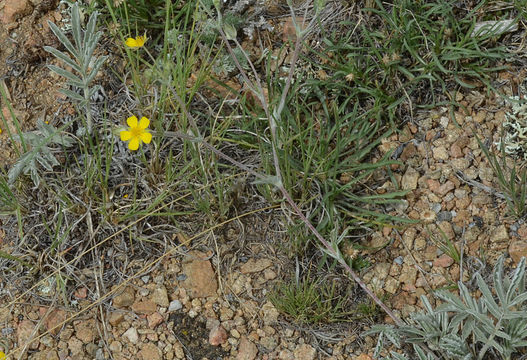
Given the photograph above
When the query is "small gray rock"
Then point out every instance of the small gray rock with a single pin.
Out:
(444, 216)
(175, 305)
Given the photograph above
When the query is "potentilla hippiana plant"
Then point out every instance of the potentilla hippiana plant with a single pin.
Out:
(84, 63)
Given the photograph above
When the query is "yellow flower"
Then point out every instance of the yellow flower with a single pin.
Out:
(2, 355)
(136, 43)
(137, 133)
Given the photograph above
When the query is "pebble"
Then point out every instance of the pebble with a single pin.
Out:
(116, 318)
(150, 352)
(435, 207)
(247, 350)
(115, 346)
(201, 279)
(154, 320)
(270, 314)
(124, 299)
(440, 153)
(85, 330)
(305, 352)
(144, 307)
(175, 305)
(409, 180)
(24, 333)
(444, 216)
(517, 249)
(160, 296)
(217, 336)
(255, 265)
(132, 335)
(54, 320)
(13, 9)
(443, 261)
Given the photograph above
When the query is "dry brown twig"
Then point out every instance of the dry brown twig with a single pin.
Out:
(273, 118)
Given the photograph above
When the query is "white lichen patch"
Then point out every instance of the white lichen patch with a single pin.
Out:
(515, 129)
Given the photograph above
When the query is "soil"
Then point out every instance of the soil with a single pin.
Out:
(212, 302)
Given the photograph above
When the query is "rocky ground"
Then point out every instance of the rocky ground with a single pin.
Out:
(211, 303)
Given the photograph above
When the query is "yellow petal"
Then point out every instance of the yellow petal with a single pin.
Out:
(126, 135)
(134, 144)
(132, 121)
(143, 123)
(131, 43)
(140, 41)
(146, 137)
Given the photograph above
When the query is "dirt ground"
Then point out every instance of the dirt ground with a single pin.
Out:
(211, 301)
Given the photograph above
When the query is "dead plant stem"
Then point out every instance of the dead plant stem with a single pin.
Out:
(256, 88)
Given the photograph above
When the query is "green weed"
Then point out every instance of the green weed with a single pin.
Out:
(311, 302)
(466, 327)
(511, 180)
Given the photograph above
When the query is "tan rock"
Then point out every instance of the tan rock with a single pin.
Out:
(270, 313)
(305, 352)
(499, 234)
(443, 261)
(85, 330)
(517, 249)
(150, 352)
(14, 9)
(76, 347)
(440, 153)
(391, 285)
(447, 230)
(144, 307)
(116, 346)
(54, 321)
(160, 296)
(132, 335)
(433, 185)
(154, 320)
(24, 333)
(81, 293)
(408, 274)
(45, 355)
(254, 266)
(409, 181)
(217, 335)
(409, 237)
(363, 357)
(201, 279)
(446, 187)
(247, 350)
(124, 299)
(115, 318)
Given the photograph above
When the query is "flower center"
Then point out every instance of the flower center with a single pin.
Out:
(136, 131)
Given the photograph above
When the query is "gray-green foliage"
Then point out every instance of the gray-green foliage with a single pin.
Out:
(40, 152)
(86, 66)
(84, 63)
(465, 328)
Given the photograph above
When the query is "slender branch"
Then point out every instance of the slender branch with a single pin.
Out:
(256, 88)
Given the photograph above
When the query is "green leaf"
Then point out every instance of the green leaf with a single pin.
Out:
(76, 25)
(71, 94)
(230, 31)
(65, 58)
(64, 40)
(90, 28)
(60, 71)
